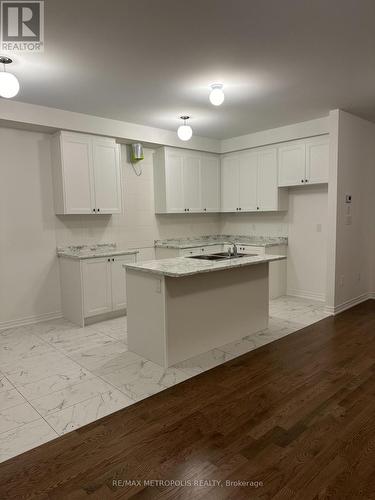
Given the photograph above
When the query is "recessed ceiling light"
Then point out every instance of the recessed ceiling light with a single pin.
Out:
(9, 85)
(217, 94)
(184, 131)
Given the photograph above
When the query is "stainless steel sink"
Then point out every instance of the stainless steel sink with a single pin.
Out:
(220, 256)
(225, 254)
(207, 257)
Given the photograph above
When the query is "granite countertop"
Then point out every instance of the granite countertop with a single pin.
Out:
(90, 251)
(257, 241)
(186, 266)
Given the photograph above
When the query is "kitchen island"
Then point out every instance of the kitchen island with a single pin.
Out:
(181, 307)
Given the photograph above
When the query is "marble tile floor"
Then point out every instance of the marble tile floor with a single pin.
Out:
(56, 377)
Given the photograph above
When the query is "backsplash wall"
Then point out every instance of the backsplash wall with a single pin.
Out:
(137, 226)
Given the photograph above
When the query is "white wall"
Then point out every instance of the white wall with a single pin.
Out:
(29, 280)
(305, 224)
(354, 242)
(21, 114)
(292, 132)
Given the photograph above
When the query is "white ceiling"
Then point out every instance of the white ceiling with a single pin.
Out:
(150, 61)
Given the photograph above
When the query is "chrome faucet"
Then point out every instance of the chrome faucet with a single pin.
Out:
(234, 252)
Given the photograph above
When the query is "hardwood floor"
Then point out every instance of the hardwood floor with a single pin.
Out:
(297, 416)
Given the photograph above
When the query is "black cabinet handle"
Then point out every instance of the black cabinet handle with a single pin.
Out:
(113, 260)
(93, 210)
(306, 180)
(98, 209)
(302, 180)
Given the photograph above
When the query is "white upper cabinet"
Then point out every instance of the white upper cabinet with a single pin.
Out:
(191, 181)
(74, 157)
(173, 188)
(230, 183)
(186, 181)
(269, 196)
(292, 164)
(210, 183)
(86, 174)
(317, 160)
(106, 167)
(304, 162)
(249, 182)
(248, 179)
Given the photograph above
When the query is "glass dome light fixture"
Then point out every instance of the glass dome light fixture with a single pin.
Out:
(217, 94)
(184, 131)
(9, 84)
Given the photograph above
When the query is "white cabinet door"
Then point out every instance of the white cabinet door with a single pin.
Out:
(317, 160)
(96, 275)
(191, 183)
(106, 167)
(118, 279)
(174, 182)
(210, 184)
(230, 199)
(248, 172)
(292, 164)
(78, 182)
(267, 180)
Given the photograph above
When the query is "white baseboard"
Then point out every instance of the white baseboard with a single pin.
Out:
(349, 303)
(30, 320)
(305, 294)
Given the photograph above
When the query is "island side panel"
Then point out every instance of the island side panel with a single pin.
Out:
(146, 315)
(208, 310)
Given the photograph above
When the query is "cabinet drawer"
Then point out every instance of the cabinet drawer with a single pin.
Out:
(206, 250)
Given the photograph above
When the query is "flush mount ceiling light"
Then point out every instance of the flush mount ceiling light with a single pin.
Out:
(184, 131)
(9, 85)
(217, 94)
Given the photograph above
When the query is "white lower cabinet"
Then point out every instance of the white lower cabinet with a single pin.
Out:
(93, 287)
(96, 277)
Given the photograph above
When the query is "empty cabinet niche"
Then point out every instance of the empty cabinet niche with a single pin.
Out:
(304, 162)
(86, 174)
(249, 182)
(186, 181)
(93, 287)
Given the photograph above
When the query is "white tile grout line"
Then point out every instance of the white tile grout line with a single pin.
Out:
(62, 352)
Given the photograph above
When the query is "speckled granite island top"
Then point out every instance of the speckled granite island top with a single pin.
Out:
(186, 266)
(257, 241)
(91, 251)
